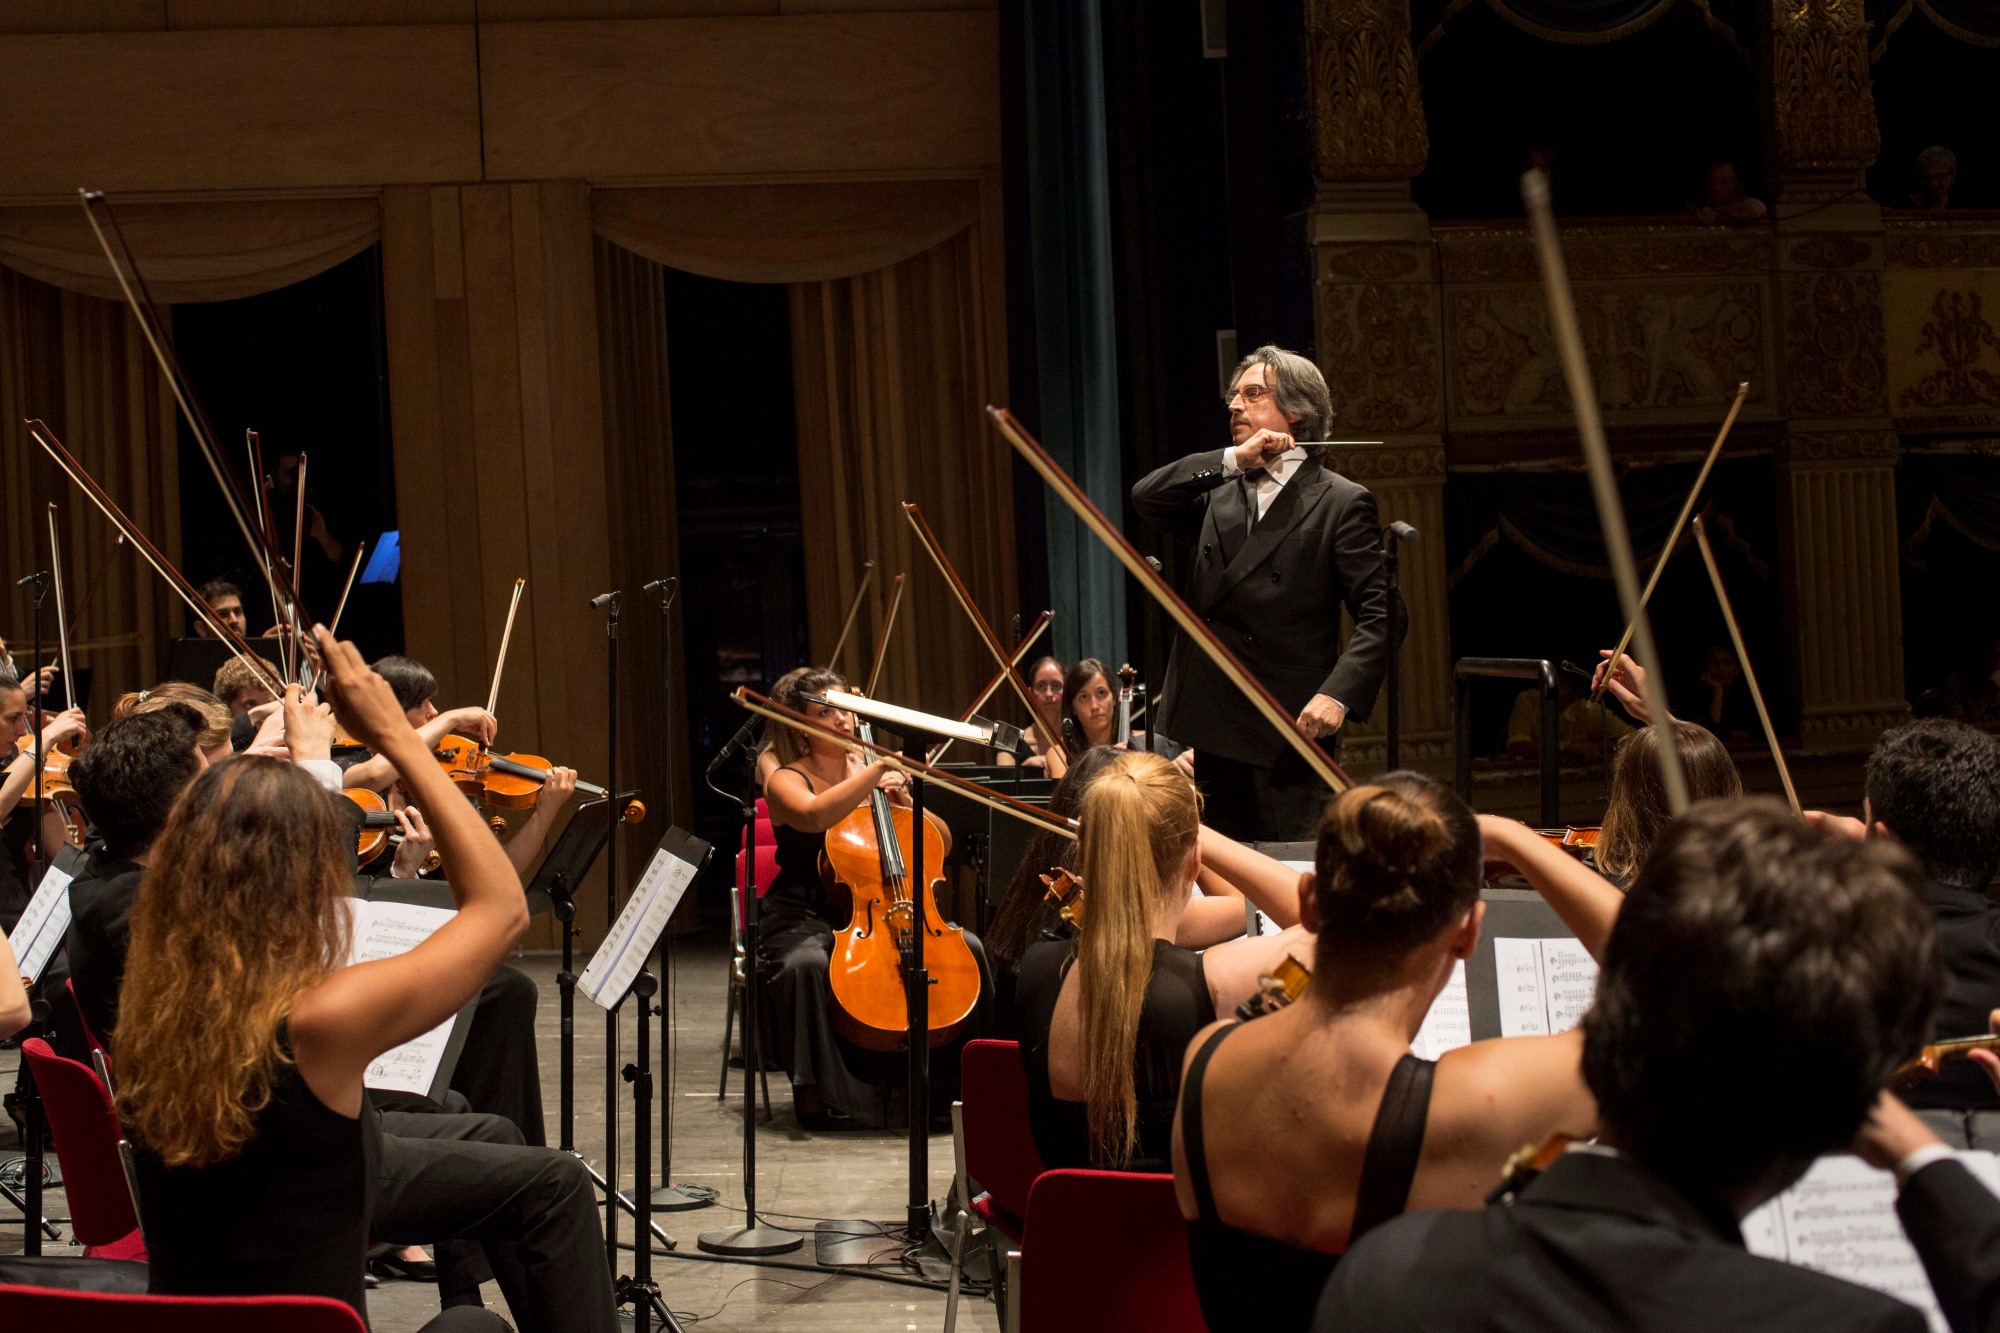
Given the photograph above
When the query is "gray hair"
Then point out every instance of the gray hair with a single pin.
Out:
(1937, 155)
(1298, 388)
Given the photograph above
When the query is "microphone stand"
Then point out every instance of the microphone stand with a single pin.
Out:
(752, 1238)
(31, 1097)
(1392, 538)
(669, 1197)
(40, 581)
(612, 811)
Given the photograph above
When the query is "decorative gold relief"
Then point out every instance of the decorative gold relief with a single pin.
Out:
(1370, 263)
(1840, 446)
(1834, 344)
(1957, 331)
(1368, 111)
(1823, 106)
(1831, 251)
(1924, 245)
(1660, 346)
(1379, 350)
(1388, 463)
(1627, 252)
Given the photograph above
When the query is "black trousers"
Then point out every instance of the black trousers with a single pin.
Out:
(498, 1071)
(1282, 803)
(467, 1181)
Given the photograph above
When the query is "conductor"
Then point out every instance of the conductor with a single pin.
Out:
(1281, 543)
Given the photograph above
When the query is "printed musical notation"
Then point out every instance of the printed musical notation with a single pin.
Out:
(616, 964)
(1546, 986)
(1841, 1219)
(384, 930)
(40, 931)
(1448, 1025)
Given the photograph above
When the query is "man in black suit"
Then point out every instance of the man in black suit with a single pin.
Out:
(1762, 983)
(1934, 786)
(1281, 544)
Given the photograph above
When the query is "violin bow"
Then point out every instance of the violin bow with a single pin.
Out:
(979, 622)
(133, 285)
(42, 435)
(506, 637)
(888, 628)
(62, 610)
(1170, 601)
(1674, 533)
(751, 701)
(1743, 656)
(853, 610)
(85, 602)
(1603, 482)
(1035, 632)
(298, 556)
(260, 495)
(333, 629)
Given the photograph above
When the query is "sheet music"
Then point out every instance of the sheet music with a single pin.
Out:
(1546, 985)
(638, 928)
(40, 931)
(1448, 1025)
(1841, 1219)
(385, 930)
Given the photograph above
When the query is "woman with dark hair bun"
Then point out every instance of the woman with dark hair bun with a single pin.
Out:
(1370, 1129)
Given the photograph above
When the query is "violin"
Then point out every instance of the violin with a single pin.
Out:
(869, 854)
(1126, 677)
(1279, 987)
(1574, 839)
(1929, 1060)
(1066, 891)
(378, 827)
(51, 784)
(507, 781)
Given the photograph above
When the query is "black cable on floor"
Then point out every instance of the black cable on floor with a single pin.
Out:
(872, 1274)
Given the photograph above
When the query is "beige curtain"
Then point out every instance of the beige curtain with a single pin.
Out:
(639, 474)
(194, 251)
(892, 371)
(81, 365)
(785, 233)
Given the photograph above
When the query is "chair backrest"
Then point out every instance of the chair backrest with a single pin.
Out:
(87, 1134)
(90, 1034)
(1106, 1251)
(97, 1312)
(767, 853)
(999, 1151)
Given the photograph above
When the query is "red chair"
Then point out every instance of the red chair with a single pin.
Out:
(88, 1144)
(95, 1312)
(989, 1127)
(1104, 1251)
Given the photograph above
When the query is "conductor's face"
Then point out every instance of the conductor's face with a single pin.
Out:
(1253, 408)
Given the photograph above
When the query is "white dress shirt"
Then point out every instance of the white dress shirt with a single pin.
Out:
(1267, 481)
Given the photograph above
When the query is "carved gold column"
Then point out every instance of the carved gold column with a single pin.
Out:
(1836, 465)
(1378, 339)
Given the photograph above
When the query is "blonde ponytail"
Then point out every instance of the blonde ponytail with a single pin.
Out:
(1138, 822)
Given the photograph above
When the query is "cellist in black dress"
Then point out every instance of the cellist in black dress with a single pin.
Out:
(810, 785)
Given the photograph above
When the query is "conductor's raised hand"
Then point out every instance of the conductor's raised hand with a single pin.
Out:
(362, 700)
(1263, 449)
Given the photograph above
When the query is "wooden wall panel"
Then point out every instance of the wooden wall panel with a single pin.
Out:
(282, 108)
(690, 97)
(492, 328)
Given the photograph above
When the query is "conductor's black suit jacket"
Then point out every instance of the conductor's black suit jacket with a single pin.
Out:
(1273, 597)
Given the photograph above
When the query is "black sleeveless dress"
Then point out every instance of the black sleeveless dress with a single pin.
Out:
(1247, 1281)
(797, 894)
(287, 1215)
(1177, 1007)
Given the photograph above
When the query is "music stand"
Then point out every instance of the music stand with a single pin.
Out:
(196, 660)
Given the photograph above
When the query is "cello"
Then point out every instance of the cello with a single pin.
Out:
(869, 854)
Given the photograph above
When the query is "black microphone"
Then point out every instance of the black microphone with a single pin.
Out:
(736, 742)
(1402, 531)
(658, 585)
(35, 577)
(603, 600)
(1154, 561)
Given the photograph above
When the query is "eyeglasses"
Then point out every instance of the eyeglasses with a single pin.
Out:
(1249, 393)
